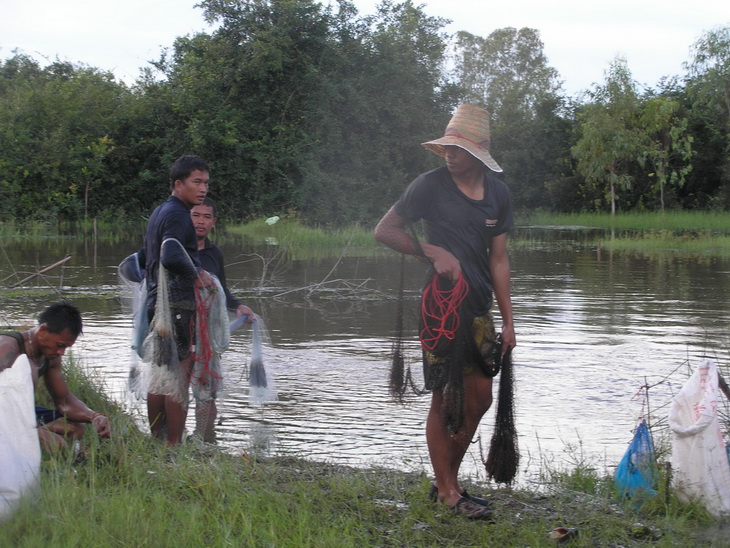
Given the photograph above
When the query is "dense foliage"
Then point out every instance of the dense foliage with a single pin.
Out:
(319, 111)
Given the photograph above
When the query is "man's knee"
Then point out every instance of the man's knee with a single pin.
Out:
(478, 396)
(477, 407)
(66, 428)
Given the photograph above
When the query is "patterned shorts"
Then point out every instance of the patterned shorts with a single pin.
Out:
(436, 368)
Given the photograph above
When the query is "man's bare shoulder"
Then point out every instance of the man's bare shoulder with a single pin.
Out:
(9, 351)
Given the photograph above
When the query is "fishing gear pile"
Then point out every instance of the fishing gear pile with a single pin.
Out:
(447, 342)
(400, 378)
(154, 342)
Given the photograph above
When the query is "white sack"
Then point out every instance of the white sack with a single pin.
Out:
(20, 451)
(700, 466)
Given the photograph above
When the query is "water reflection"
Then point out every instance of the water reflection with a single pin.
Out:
(592, 329)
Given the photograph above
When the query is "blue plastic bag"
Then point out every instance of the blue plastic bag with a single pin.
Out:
(636, 474)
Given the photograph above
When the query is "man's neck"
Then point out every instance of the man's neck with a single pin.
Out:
(31, 347)
(201, 242)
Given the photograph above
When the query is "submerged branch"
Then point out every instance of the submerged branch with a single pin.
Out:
(40, 272)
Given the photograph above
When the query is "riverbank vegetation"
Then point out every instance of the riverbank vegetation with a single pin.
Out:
(319, 110)
(131, 491)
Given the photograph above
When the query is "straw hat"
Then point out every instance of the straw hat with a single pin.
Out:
(468, 129)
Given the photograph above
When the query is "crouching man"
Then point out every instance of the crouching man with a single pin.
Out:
(58, 327)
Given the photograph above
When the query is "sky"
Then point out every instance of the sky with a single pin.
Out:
(580, 38)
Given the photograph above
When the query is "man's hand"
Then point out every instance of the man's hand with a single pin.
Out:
(243, 310)
(102, 425)
(444, 263)
(509, 340)
(50, 441)
(205, 279)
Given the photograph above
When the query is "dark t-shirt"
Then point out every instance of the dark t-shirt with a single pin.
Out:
(171, 219)
(211, 259)
(463, 226)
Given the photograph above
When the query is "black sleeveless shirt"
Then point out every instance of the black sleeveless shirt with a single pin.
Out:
(21, 345)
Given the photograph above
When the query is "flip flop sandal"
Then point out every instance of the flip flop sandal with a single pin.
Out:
(479, 500)
(563, 534)
(471, 510)
(433, 494)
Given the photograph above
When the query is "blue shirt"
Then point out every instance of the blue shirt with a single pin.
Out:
(211, 259)
(171, 219)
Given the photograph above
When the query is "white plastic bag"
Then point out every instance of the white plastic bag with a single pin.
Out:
(20, 451)
(699, 459)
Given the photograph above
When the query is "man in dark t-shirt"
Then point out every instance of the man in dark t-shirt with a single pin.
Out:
(467, 213)
(170, 243)
(211, 259)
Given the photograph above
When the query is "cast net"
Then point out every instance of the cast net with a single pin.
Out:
(133, 296)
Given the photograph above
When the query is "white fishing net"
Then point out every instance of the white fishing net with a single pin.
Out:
(212, 337)
(261, 387)
(159, 349)
(133, 296)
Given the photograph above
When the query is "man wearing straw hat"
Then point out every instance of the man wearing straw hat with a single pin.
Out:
(467, 213)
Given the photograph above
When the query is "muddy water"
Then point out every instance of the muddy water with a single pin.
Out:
(592, 330)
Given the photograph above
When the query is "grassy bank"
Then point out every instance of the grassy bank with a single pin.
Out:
(290, 231)
(678, 222)
(687, 233)
(131, 491)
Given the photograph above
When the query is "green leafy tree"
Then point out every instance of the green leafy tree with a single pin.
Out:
(507, 72)
(707, 97)
(306, 108)
(610, 139)
(50, 120)
(670, 145)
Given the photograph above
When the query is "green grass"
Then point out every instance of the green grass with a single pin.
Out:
(693, 233)
(132, 491)
(685, 233)
(289, 230)
(114, 231)
(678, 222)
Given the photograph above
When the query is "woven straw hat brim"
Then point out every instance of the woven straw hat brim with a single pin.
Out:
(437, 147)
(467, 129)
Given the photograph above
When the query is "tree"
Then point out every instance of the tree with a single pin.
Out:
(508, 74)
(610, 141)
(670, 146)
(506, 71)
(708, 101)
(50, 119)
(306, 108)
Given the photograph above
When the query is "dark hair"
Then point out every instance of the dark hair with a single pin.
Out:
(210, 203)
(184, 166)
(60, 316)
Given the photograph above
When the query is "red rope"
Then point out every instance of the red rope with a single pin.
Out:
(203, 351)
(440, 311)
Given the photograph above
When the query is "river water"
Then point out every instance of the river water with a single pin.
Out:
(593, 328)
